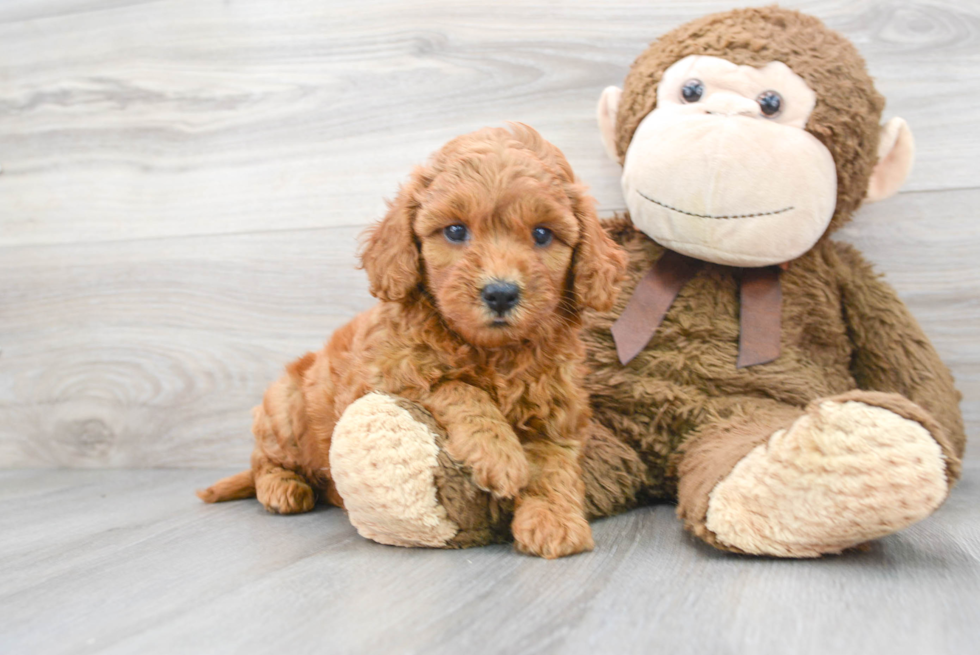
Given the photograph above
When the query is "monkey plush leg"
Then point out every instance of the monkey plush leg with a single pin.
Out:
(613, 473)
(783, 482)
(400, 487)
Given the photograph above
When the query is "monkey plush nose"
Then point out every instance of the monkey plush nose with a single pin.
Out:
(501, 296)
(724, 103)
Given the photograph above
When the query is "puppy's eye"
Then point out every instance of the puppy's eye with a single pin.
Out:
(456, 233)
(692, 90)
(542, 236)
(770, 103)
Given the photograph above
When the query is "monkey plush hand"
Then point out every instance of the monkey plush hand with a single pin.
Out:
(754, 370)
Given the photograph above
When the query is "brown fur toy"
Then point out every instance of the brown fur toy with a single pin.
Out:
(773, 385)
(483, 265)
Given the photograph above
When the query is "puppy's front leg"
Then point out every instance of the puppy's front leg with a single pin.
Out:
(549, 520)
(480, 437)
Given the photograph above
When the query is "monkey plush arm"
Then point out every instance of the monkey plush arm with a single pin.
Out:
(891, 352)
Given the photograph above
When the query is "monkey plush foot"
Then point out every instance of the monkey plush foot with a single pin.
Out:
(383, 461)
(399, 486)
(853, 468)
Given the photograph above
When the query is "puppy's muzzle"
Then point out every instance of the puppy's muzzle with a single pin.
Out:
(500, 296)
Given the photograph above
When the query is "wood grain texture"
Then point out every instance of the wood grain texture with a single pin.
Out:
(153, 354)
(183, 183)
(138, 119)
(130, 562)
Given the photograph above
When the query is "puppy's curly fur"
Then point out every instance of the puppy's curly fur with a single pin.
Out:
(505, 383)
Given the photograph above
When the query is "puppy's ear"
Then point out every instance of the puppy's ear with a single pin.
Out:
(599, 264)
(390, 253)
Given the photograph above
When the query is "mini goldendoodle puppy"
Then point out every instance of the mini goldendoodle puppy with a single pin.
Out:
(482, 266)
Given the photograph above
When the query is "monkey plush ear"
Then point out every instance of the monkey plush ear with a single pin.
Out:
(896, 152)
(606, 113)
(389, 253)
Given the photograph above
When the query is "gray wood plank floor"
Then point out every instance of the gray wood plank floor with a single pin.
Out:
(183, 182)
(130, 562)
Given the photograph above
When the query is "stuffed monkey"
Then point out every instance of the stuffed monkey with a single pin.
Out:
(754, 370)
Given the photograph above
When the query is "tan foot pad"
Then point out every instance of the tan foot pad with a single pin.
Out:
(839, 476)
(383, 462)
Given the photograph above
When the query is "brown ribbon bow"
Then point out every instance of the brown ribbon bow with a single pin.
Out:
(759, 317)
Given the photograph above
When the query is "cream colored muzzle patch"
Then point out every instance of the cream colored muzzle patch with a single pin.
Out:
(851, 473)
(383, 462)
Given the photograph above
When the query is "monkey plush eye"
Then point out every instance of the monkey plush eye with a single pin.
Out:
(692, 90)
(456, 233)
(542, 236)
(770, 102)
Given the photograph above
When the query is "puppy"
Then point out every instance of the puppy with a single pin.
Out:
(482, 265)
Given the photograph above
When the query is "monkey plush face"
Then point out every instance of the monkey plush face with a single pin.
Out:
(748, 135)
(723, 170)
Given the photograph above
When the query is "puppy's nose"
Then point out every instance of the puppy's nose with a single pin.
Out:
(501, 296)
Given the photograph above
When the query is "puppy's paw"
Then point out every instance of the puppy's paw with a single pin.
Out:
(546, 531)
(501, 471)
(285, 495)
(495, 455)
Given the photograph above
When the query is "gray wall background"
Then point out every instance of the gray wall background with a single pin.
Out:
(183, 183)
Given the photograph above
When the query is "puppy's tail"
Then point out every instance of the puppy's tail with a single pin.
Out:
(238, 486)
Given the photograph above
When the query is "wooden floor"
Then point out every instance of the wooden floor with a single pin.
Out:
(131, 562)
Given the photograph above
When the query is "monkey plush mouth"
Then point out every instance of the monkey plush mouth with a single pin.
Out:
(681, 211)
